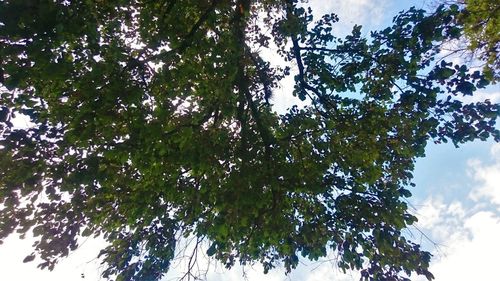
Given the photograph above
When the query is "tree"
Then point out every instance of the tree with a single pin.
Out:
(481, 21)
(151, 120)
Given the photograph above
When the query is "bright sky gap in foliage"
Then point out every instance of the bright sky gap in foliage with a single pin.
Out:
(456, 196)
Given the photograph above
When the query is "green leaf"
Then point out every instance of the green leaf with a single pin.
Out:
(29, 258)
(211, 250)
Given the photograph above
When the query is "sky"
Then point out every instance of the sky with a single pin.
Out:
(457, 198)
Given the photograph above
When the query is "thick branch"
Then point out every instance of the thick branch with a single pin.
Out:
(241, 78)
(261, 72)
(298, 58)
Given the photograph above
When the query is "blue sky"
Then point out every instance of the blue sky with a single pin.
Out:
(457, 198)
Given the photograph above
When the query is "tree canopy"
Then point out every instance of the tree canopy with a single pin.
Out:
(152, 120)
(481, 25)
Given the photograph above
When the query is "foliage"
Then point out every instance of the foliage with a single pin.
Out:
(482, 26)
(151, 120)
(481, 21)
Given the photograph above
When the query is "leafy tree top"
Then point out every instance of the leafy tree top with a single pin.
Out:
(481, 33)
(152, 121)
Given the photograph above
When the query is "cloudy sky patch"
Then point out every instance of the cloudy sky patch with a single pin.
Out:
(464, 234)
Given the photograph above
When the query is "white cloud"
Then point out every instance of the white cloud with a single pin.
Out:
(481, 96)
(437, 218)
(431, 212)
(470, 252)
(488, 176)
(350, 12)
(466, 237)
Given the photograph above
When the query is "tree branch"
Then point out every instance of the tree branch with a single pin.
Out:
(302, 76)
